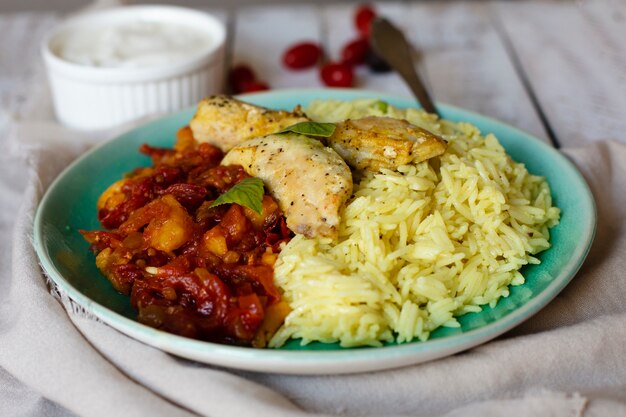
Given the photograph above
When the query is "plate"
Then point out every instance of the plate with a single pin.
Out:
(70, 205)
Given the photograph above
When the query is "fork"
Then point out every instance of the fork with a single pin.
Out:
(390, 43)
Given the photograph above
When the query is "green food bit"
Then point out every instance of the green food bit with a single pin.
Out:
(322, 130)
(381, 105)
(247, 193)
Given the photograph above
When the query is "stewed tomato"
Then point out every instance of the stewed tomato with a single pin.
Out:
(190, 268)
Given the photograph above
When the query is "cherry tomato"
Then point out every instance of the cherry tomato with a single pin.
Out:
(239, 76)
(302, 55)
(354, 52)
(253, 86)
(337, 75)
(363, 18)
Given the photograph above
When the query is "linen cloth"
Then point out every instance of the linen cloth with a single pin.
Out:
(568, 360)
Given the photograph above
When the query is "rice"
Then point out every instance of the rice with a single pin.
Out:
(416, 248)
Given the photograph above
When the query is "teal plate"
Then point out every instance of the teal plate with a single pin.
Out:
(69, 205)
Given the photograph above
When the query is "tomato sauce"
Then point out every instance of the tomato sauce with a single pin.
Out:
(191, 269)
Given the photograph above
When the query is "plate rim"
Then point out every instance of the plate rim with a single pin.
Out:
(322, 361)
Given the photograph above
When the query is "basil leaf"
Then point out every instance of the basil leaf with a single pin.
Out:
(248, 193)
(322, 130)
(381, 105)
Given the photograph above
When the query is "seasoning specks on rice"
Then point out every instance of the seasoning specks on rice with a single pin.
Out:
(416, 247)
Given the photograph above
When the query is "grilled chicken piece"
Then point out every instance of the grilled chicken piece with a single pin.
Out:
(226, 122)
(373, 143)
(310, 181)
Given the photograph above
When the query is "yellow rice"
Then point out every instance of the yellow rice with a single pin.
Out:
(416, 248)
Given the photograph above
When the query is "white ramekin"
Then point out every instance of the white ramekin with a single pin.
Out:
(87, 97)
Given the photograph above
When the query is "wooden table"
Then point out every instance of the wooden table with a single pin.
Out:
(556, 69)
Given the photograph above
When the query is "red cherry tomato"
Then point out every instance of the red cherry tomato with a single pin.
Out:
(354, 52)
(302, 55)
(253, 86)
(363, 18)
(337, 75)
(239, 76)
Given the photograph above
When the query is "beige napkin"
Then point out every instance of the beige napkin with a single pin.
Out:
(568, 360)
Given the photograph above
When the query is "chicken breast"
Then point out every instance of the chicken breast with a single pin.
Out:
(373, 143)
(309, 180)
(226, 122)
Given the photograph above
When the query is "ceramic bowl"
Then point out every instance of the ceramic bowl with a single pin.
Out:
(93, 97)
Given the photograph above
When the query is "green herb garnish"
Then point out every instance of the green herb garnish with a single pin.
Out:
(381, 105)
(248, 193)
(321, 130)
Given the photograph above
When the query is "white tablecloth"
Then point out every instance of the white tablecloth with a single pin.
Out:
(567, 360)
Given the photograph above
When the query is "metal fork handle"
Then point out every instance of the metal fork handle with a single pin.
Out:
(389, 42)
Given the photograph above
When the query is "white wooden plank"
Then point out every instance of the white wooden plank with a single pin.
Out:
(340, 29)
(262, 34)
(575, 58)
(23, 89)
(608, 17)
(467, 65)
